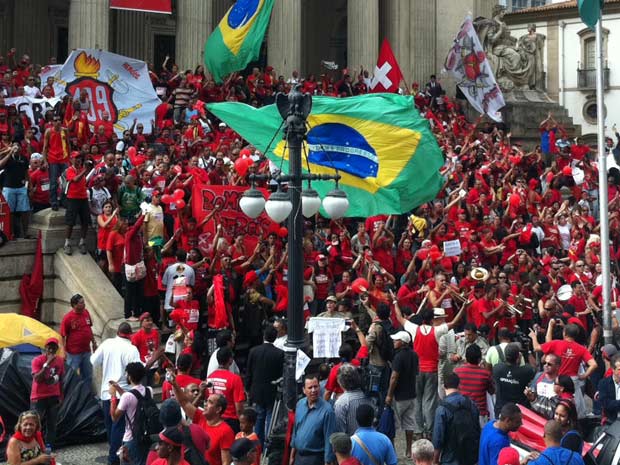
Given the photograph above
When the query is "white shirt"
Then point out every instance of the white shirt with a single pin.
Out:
(32, 91)
(214, 365)
(113, 355)
(280, 342)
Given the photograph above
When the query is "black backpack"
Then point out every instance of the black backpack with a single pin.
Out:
(192, 455)
(146, 421)
(384, 341)
(463, 432)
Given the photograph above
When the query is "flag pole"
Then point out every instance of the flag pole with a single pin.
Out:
(602, 182)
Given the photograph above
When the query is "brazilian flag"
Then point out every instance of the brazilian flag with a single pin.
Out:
(237, 39)
(384, 150)
(590, 11)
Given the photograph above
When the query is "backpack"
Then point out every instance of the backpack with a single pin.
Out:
(146, 421)
(463, 432)
(384, 341)
(192, 455)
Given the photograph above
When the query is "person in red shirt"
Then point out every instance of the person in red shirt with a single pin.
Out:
(39, 183)
(187, 312)
(229, 385)
(332, 386)
(47, 371)
(183, 378)
(56, 155)
(115, 249)
(77, 202)
(146, 339)
(170, 447)
(77, 338)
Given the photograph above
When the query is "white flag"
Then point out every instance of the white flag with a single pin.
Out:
(468, 64)
(115, 84)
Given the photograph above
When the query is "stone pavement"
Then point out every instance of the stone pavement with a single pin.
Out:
(87, 454)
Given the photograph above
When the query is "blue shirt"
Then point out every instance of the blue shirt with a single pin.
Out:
(377, 443)
(492, 440)
(558, 455)
(313, 427)
(441, 426)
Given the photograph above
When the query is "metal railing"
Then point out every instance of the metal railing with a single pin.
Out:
(586, 78)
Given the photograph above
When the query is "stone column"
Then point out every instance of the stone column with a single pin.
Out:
(89, 24)
(194, 24)
(132, 34)
(395, 18)
(220, 7)
(423, 40)
(362, 33)
(31, 26)
(284, 37)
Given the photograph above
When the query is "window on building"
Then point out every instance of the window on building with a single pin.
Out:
(519, 4)
(516, 5)
(589, 53)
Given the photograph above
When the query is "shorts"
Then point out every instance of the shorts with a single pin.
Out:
(17, 198)
(404, 414)
(77, 208)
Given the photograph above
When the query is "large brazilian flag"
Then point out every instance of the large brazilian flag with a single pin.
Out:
(237, 39)
(384, 150)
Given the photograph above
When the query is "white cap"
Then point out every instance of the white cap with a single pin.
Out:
(222, 125)
(36, 156)
(403, 336)
(439, 312)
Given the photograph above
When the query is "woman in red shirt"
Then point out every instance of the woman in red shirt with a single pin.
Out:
(115, 249)
(323, 280)
(106, 222)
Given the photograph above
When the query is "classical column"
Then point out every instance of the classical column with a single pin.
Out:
(220, 7)
(132, 34)
(89, 24)
(284, 37)
(362, 33)
(194, 24)
(423, 40)
(31, 26)
(395, 17)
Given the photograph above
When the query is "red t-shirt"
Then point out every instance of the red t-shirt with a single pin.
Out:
(77, 189)
(230, 386)
(50, 386)
(221, 436)
(40, 181)
(116, 245)
(571, 353)
(104, 233)
(146, 343)
(76, 328)
(186, 314)
(332, 384)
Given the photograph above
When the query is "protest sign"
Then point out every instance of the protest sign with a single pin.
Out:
(326, 337)
(452, 248)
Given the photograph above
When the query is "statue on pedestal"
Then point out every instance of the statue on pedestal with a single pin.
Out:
(516, 64)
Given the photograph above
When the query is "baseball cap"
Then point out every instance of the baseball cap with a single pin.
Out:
(341, 443)
(172, 436)
(145, 315)
(609, 350)
(331, 298)
(321, 257)
(36, 156)
(170, 413)
(76, 154)
(52, 340)
(403, 336)
(241, 448)
(439, 312)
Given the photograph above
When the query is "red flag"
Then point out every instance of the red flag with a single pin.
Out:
(150, 6)
(31, 285)
(387, 73)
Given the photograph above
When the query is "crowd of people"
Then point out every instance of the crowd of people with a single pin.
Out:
(452, 344)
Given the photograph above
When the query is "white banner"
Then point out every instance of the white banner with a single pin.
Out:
(114, 83)
(452, 248)
(468, 65)
(34, 108)
(52, 71)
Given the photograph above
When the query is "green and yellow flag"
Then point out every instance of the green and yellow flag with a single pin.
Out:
(384, 150)
(590, 11)
(237, 39)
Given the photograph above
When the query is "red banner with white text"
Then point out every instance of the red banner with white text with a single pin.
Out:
(207, 197)
(150, 6)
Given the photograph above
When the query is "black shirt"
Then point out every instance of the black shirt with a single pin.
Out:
(405, 363)
(510, 383)
(16, 170)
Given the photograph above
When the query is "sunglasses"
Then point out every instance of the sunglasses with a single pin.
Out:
(549, 364)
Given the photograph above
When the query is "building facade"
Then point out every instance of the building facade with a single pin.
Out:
(301, 34)
(569, 59)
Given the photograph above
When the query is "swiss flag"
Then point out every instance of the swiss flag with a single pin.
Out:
(150, 6)
(387, 73)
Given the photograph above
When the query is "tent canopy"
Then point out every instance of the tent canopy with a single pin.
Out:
(18, 329)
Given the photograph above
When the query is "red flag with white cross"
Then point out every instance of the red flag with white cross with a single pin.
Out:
(387, 73)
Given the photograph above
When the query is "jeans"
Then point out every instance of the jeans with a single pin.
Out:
(263, 418)
(55, 170)
(82, 361)
(115, 432)
(425, 401)
(48, 408)
(137, 454)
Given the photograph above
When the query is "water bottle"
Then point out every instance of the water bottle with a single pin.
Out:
(48, 451)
